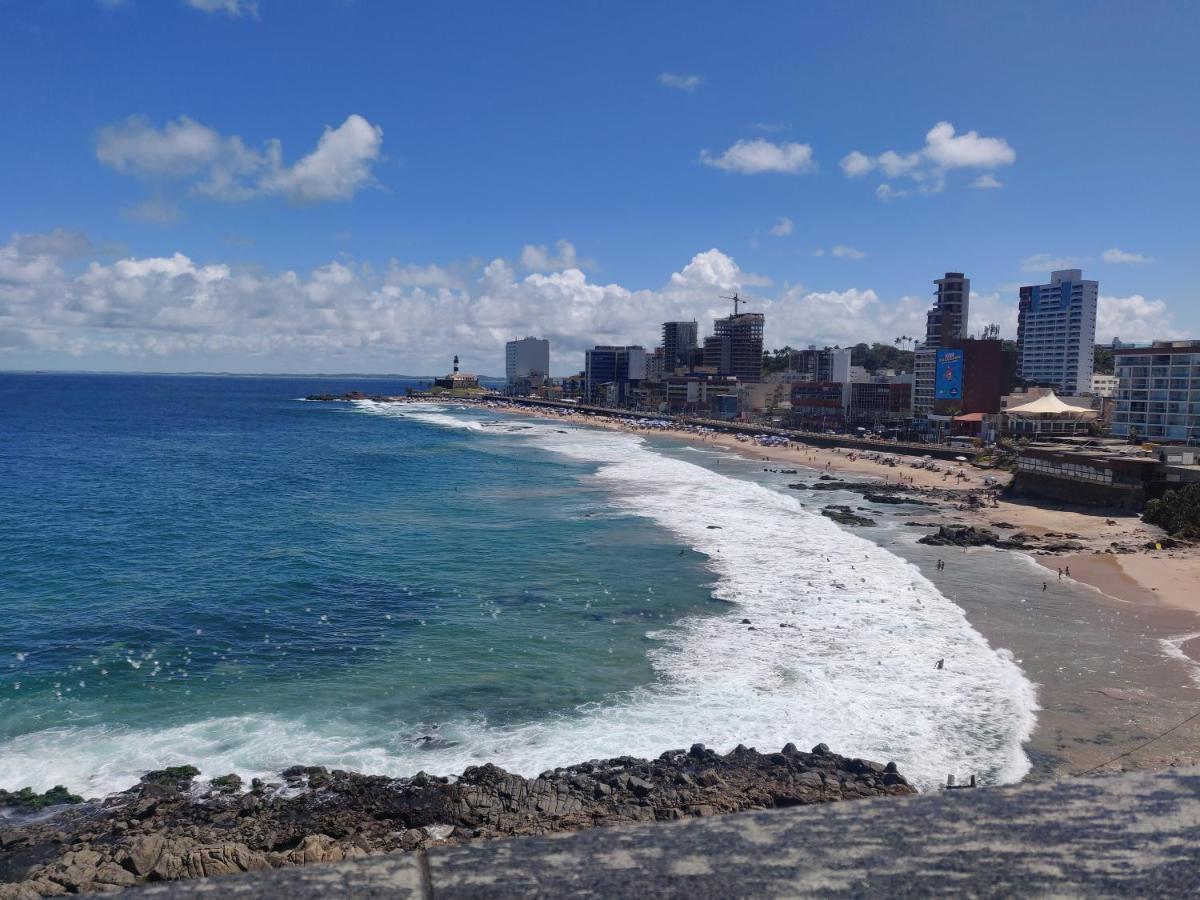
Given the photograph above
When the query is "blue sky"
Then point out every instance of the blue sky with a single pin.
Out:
(344, 185)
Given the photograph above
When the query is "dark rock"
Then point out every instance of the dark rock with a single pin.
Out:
(843, 515)
(152, 833)
(961, 536)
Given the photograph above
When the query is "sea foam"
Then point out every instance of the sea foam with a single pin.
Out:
(842, 644)
(841, 648)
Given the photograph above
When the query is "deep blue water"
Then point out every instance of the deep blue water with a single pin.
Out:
(181, 551)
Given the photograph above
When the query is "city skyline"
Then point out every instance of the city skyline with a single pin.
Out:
(348, 217)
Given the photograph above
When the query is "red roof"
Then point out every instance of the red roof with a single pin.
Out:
(969, 417)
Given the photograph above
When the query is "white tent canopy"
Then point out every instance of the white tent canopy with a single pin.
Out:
(1050, 405)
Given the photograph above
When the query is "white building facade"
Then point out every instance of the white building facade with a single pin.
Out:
(1158, 393)
(1056, 332)
(527, 358)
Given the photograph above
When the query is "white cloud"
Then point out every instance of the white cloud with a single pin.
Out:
(968, 150)
(855, 164)
(987, 182)
(1134, 319)
(841, 251)
(179, 312)
(540, 258)
(1045, 263)
(225, 168)
(179, 148)
(232, 8)
(336, 170)
(687, 83)
(783, 227)
(944, 151)
(754, 157)
(1113, 255)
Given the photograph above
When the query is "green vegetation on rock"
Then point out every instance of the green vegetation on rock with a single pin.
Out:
(1176, 512)
(27, 798)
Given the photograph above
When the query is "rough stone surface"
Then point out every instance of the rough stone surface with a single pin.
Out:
(169, 828)
(1132, 835)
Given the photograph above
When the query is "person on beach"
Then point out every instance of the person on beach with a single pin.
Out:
(1068, 571)
(1044, 586)
(1060, 574)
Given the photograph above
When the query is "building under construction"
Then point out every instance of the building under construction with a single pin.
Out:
(736, 346)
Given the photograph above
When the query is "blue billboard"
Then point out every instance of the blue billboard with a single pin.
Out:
(949, 384)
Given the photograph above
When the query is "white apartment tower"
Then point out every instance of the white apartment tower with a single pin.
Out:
(527, 358)
(1056, 332)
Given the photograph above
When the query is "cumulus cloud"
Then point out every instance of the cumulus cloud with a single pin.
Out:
(1116, 256)
(758, 156)
(232, 8)
(987, 182)
(1134, 319)
(540, 258)
(945, 150)
(687, 83)
(176, 311)
(226, 168)
(783, 227)
(842, 251)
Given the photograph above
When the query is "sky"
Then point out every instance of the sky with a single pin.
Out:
(368, 186)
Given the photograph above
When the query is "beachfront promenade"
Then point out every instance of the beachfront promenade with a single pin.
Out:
(1130, 835)
(814, 438)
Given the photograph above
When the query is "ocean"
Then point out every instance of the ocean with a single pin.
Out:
(211, 570)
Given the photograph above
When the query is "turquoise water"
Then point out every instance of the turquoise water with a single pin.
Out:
(210, 570)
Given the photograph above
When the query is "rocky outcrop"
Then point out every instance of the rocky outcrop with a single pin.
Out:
(844, 515)
(962, 536)
(970, 536)
(169, 828)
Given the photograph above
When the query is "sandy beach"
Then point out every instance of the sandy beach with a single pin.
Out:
(1152, 577)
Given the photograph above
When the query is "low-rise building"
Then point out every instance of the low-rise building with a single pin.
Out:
(1088, 474)
(1048, 414)
(819, 405)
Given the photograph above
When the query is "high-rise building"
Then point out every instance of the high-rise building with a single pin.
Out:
(736, 346)
(678, 345)
(944, 323)
(526, 360)
(947, 321)
(1056, 332)
(1158, 392)
(616, 366)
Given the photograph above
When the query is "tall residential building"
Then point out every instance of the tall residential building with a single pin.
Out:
(678, 345)
(945, 322)
(1158, 392)
(1056, 332)
(829, 364)
(527, 358)
(736, 347)
(615, 366)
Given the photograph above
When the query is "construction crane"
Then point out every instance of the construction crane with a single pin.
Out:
(736, 300)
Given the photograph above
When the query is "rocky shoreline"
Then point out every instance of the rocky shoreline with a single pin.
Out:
(173, 826)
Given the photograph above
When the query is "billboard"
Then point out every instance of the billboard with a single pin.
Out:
(949, 384)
